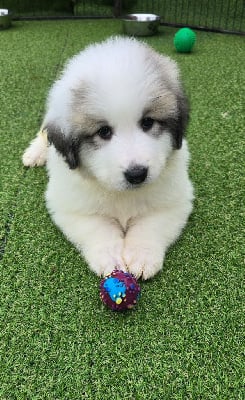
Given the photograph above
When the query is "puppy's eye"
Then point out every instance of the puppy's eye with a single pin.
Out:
(147, 123)
(105, 132)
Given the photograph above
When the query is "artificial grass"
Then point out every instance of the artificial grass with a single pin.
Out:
(185, 340)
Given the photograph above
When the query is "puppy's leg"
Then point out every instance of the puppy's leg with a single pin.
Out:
(148, 239)
(99, 239)
(36, 152)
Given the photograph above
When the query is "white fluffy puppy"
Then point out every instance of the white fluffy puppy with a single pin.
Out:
(117, 161)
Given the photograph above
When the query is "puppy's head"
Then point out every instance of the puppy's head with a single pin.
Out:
(118, 112)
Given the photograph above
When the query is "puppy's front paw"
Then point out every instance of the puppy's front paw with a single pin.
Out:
(104, 259)
(36, 154)
(143, 260)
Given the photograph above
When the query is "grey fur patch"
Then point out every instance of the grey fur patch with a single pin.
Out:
(178, 125)
(71, 145)
(170, 107)
(67, 146)
(170, 116)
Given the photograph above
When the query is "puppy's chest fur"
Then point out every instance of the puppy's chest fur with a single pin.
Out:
(121, 207)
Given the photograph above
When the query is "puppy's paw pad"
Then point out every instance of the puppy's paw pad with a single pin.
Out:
(36, 154)
(32, 159)
(143, 263)
(104, 261)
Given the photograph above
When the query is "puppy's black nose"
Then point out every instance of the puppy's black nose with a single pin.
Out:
(136, 174)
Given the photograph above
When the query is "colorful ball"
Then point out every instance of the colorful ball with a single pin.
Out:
(184, 40)
(119, 290)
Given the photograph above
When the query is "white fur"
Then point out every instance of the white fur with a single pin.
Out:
(111, 224)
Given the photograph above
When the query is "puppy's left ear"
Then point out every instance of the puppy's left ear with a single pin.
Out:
(67, 146)
(180, 124)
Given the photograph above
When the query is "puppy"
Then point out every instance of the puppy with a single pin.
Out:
(117, 161)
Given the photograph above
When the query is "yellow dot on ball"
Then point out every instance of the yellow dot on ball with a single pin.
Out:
(118, 300)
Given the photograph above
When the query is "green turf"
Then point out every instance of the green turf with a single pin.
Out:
(186, 338)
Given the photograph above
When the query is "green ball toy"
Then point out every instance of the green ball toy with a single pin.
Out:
(184, 40)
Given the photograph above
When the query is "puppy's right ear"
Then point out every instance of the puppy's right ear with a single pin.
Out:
(67, 146)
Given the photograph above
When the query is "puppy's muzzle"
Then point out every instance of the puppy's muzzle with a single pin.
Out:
(136, 175)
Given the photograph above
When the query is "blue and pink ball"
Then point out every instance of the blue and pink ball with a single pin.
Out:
(119, 291)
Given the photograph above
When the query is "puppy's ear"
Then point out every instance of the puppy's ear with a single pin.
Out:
(67, 146)
(180, 123)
